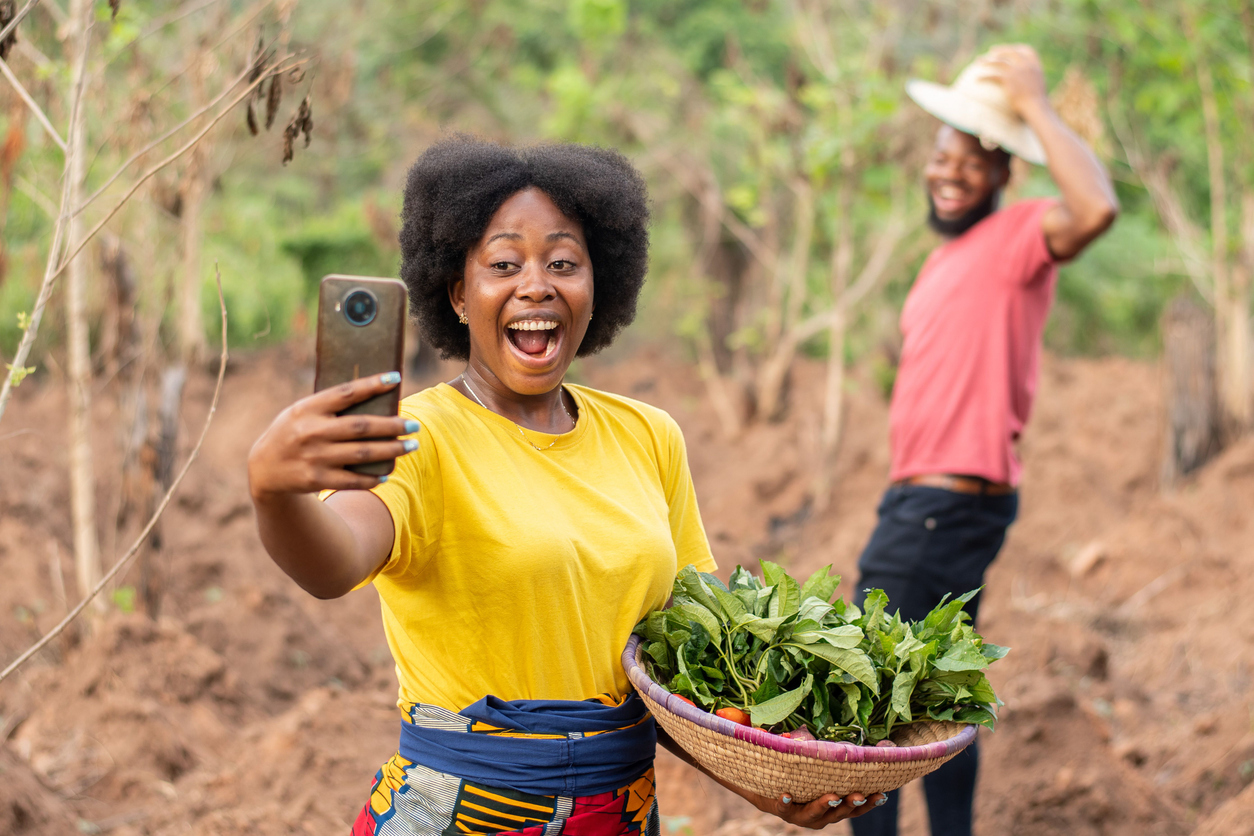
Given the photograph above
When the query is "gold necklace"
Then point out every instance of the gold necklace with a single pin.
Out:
(479, 401)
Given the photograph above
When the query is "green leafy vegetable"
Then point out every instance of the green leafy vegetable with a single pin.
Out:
(790, 656)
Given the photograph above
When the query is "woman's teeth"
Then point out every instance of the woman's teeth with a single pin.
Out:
(541, 345)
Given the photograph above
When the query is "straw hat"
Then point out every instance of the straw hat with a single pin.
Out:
(976, 105)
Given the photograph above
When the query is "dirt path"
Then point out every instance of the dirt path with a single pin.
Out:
(252, 708)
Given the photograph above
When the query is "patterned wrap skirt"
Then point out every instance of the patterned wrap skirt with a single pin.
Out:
(524, 768)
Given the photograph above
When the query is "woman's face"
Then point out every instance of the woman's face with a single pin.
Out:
(527, 291)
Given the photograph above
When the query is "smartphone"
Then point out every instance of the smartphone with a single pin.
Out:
(361, 331)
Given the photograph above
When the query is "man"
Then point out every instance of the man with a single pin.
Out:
(972, 328)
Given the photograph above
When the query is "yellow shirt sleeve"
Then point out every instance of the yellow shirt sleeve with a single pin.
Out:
(691, 544)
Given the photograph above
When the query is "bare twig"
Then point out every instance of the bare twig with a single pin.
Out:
(35, 108)
(152, 521)
(871, 274)
(190, 144)
(712, 201)
(171, 132)
(246, 19)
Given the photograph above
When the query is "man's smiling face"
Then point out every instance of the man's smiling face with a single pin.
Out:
(963, 179)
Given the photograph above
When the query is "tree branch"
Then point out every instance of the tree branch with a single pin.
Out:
(152, 521)
(171, 132)
(870, 275)
(1184, 233)
(50, 269)
(51, 274)
(191, 143)
(36, 109)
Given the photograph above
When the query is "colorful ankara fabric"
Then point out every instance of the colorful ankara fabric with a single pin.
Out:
(412, 799)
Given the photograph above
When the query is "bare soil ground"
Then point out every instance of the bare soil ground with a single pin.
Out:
(249, 707)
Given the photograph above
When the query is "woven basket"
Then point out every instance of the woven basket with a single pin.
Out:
(771, 765)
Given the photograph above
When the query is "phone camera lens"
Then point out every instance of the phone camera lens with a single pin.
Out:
(360, 307)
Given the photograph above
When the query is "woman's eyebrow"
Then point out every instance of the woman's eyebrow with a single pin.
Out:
(553, 236)
(513, 236)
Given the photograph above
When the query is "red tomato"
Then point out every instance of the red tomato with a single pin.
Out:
(685, 699)
(733, 714)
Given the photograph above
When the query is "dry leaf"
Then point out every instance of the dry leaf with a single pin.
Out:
(300, 123)
(114, 6)
(272, 100)
(251, 118)
(305, 114)
(289, 134)
(259, 57)
(297, 75)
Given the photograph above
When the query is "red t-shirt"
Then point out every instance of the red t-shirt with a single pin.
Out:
(972, 328)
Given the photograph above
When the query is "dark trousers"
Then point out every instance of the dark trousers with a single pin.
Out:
(930, 542)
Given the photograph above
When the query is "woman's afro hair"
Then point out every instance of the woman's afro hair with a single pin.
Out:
(457, 185)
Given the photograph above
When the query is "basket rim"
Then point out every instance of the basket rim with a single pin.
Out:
(825, 750)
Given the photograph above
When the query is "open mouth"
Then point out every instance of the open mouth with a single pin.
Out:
(950, 200)
(537, 339)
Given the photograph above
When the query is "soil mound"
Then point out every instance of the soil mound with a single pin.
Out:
(248, 706)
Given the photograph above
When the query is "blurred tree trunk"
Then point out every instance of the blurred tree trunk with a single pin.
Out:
(1232, 298)
(191, 331)
(1193, 419)
(82, 474)
(833, 425)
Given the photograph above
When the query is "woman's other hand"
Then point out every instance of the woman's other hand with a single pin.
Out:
(307, 446)
(819, 813)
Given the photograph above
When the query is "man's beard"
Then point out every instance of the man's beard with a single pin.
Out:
(955, 227)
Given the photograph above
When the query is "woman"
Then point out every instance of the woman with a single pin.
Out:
(528, 525)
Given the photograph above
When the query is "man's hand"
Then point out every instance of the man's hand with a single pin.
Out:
(1017, 68)
(1088, 205)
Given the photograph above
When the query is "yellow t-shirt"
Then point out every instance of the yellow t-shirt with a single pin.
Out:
(521, 573)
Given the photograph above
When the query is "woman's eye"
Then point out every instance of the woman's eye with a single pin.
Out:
(500, 265)
(563, 264)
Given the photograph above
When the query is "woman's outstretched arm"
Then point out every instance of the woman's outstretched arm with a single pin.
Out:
(326, 547)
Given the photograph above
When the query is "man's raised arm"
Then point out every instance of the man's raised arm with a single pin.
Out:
(1089, 205)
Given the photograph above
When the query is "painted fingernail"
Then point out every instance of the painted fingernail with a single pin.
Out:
(410, 445)
(881, 802)
(382, 479)
(835, 802)
(390, 377)
(787, 799)
(859, 803)
(411, 426)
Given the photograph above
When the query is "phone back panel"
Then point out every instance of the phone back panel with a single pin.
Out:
(347, 351)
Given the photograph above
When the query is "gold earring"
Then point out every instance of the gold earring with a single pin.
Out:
(461, 317)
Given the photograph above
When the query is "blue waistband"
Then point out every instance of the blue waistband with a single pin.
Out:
(619, 746)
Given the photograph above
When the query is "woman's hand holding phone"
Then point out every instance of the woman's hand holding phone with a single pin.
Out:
(308, 445)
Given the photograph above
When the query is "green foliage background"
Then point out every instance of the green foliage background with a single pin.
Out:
(725, 79)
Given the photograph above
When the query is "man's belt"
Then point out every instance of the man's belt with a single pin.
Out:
(958, 484)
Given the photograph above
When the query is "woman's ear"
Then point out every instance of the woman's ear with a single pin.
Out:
(457, 295)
